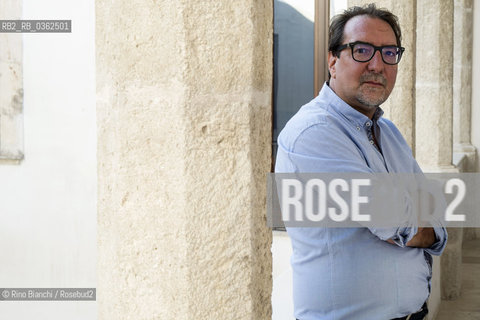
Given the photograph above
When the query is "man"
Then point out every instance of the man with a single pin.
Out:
(357, 273)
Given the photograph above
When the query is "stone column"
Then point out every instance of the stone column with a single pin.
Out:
(462, 81)
(434, 83)
(434, 116)
(462, 93)
(400, 107)
(474, 127)
(451, 264)
(184, 143)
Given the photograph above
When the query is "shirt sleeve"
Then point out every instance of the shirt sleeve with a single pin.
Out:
(309, 151)
(441, 233)
(442, 236)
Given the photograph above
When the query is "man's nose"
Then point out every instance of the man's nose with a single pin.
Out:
(376, 63)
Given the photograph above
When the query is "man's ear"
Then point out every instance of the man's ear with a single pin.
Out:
(332, 60)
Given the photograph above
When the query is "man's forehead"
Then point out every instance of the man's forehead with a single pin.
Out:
(368, 29)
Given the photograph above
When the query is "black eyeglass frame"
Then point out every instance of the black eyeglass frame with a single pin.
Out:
(375, 49)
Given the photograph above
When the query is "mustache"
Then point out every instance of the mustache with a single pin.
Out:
(373, 77)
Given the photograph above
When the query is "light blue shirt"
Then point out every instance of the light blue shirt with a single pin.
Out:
(352, 273)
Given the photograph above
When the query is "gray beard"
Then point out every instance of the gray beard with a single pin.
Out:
(362, 97)
(369, 102)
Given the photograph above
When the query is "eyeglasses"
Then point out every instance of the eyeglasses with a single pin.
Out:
(364, 52)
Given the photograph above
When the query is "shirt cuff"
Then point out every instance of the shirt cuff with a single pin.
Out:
(399, 235)
(437, 248)
(403, 235)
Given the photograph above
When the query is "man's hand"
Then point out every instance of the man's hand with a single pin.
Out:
(424, 238)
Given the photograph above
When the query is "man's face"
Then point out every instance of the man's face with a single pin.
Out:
(363, 85)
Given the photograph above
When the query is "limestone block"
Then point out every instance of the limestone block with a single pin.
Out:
(462, 81)
(474, 127)
(434, 300)
(451, 260)
(471, 234)
(466, 151)
(184, 134)
(434, 93)
(462, 70)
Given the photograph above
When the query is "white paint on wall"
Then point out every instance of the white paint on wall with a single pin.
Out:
(48, 201)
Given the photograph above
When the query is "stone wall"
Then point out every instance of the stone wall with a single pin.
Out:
(184, 125)
(475, 128)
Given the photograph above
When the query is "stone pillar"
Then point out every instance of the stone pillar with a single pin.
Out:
(434, 116)
(462, 81)
(434, 81)
(400, 107)
(462, 109)
(474, 127)
(451, 261)
(184, 143)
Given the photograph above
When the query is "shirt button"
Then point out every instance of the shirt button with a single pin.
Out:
(358, 128)
(368, 124)
(371, 142)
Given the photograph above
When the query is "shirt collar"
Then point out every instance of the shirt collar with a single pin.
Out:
(354, 116)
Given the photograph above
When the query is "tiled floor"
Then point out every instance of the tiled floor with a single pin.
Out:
(467, 306)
